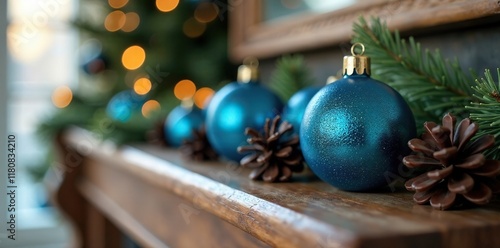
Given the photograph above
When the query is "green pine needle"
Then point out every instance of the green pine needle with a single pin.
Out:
(486, 112)
(78, 113)
(290, 75)
(432, 85)
(133, 130)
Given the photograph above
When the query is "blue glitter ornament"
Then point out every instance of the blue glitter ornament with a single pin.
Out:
(296, 106)
(123, 105)
(180, 123)
(237, 106)
(355, 131)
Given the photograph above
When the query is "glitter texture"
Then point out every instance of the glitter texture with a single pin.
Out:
(354, 133)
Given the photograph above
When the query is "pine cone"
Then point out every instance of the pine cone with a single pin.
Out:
(156, 135)
(198, 148)
(272, 159)
(456, 169)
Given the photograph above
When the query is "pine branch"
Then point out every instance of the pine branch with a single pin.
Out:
(78, 113)
(290, 75)
(133, 130)
(431, 85)
(486, 112)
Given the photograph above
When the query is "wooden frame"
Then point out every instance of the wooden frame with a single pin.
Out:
(249, 36)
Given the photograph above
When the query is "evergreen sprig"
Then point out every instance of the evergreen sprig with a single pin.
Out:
(133, 130)
(486, 112)
(432, 85)
(291, 75)
(78, 113)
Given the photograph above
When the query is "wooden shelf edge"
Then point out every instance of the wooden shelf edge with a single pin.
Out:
(118, 216)
(300, 214)
(261, 218)
(256, 216)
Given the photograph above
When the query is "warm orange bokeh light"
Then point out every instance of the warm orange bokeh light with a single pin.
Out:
(142, 86)
(117, 3)
(133, 57)
(62, 96)
(206, 12)
(114, 21)
(132, 21)
(202, 96)
(184, 89)
(192, 28)
(166, 5)
(149, 107)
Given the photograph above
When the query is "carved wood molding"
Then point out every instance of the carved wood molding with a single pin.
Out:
(251, 37)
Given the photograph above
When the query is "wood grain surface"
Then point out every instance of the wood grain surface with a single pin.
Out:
(148, 190)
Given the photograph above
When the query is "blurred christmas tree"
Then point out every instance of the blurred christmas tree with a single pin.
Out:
(149, 48)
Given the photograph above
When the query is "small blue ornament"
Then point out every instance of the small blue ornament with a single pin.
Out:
(237, 106)
(180, 123)
(123, 105)
(296, 106)
(355, 131)
(92, 59)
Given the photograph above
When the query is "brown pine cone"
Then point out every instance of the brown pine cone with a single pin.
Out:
(272, 159)
(156, 135)
(456, 169)
(198, 148)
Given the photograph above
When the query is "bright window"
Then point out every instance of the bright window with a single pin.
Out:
(42, 55)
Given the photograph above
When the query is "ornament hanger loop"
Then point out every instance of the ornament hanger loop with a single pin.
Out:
(251, 61)
(248, 72)
(355, 45)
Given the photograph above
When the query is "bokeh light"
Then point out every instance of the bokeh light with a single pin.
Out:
(142, 86)
(62, 96)
(202, 96)
(132, 21)
(166, 5)
(193, 28)
(114, 21)
(117, 3)
(206, 12)
(184, 89)
(27, 49)
(133, 57)
(149, 107)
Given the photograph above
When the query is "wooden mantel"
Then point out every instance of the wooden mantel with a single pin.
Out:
(160, 199)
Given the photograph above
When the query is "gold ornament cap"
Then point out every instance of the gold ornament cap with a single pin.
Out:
(357, 62)
(187, 103)
(249, 70)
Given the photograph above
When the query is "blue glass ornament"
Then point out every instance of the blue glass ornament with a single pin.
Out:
(123, 105)
(92, 59)
(296, 106)
(355, 131)
(237, 106)
(180, 123)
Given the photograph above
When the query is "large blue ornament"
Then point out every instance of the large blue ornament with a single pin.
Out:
(296, 106)
(355, 130)
(180, 123)
(237, 106)
(123, 105)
